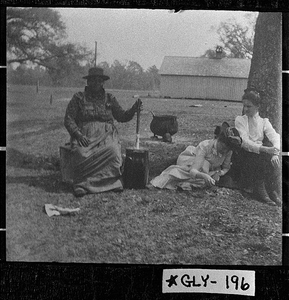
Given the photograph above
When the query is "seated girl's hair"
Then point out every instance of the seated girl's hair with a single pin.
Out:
(253, 95)
(223, 134)
(217, 131)
(221, 128)
(223, 137)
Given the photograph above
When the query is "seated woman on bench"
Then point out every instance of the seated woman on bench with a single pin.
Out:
(96, 149)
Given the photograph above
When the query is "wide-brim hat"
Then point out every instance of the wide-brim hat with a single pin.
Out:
(96, 72)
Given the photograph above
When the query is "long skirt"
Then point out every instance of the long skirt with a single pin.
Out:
(97, 168)
(248, 168)
(178, 176)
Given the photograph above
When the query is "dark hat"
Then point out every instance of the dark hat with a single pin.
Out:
(96, 72)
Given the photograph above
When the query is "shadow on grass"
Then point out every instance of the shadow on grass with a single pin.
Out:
(50, 183)
(43, 128)
(20, 124)
(18, 159)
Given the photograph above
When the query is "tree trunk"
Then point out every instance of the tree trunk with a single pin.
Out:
(266, 66)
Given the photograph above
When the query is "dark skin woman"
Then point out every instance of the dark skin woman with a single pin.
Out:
(95, 144)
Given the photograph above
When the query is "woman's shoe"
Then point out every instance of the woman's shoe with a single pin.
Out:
(79, 192)
(260, 193)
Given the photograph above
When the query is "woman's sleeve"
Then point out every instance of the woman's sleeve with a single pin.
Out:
(199, 160)
(118, 112)
(247, 144)
(271, 134)
(70, 116)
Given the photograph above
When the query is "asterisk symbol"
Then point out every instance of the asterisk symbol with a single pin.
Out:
(172, 280)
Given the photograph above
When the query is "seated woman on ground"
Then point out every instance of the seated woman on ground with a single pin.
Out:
(200, 166)
(257, 163)
(96, 149)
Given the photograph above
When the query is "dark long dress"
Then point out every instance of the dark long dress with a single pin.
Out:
(96, 168)
(249, 167)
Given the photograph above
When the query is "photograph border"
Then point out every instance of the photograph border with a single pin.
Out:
(119, 281)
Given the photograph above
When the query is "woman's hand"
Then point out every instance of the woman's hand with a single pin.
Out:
(82, 140)
(216, 176)
(209, 181)
(235, 140)
(275, 161)
(135, 106)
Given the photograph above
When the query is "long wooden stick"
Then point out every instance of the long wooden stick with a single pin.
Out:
(95, 54)
(137, 124)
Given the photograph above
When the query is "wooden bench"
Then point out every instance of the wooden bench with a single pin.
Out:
(66, 163)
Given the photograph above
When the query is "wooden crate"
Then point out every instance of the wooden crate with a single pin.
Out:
(66, 163)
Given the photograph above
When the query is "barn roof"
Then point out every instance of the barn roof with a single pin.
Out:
(202, 66)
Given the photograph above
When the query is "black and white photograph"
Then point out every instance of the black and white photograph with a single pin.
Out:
(144, 136)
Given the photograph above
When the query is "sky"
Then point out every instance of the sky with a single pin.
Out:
(144, 35)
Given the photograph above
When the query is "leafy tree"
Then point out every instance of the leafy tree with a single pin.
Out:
(32, 34)
(210, 53)
(28, 76)
(119, 76)
(107, 70)
(153, 74)
(122, 76)
(134, 68)
(131, 76)
(105, 67)
(266, 66)
(135, 75)
(66, 63)
(236, 39)
(36, 36)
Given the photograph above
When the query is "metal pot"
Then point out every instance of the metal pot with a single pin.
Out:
(164, 125)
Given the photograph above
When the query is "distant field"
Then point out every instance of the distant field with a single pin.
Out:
(136, 226)
(33, 111)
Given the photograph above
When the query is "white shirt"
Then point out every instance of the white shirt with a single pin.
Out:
(207, 151)
(252, 131)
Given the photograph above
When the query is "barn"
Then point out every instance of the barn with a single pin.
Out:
(204, 78)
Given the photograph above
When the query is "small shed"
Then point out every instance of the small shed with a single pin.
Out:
(204, 78)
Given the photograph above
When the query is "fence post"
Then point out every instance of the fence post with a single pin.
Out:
(37, 87)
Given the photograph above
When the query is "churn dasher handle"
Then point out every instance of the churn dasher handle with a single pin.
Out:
(137, 121)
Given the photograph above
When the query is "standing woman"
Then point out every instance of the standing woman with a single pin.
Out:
(258, 162)
(96, 148)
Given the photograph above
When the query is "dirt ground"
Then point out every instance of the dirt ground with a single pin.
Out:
(149, 226)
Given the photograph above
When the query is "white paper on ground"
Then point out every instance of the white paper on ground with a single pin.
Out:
(53, 210)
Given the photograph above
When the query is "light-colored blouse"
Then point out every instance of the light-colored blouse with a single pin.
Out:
(252, 131)
(182, 175)
(208, 151)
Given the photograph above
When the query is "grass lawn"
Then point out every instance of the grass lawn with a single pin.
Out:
(150, 226)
